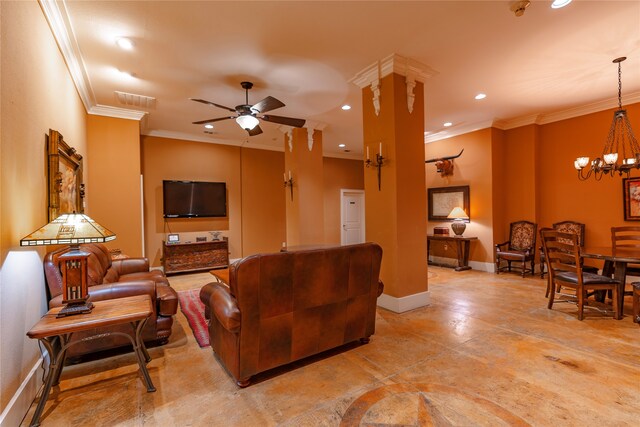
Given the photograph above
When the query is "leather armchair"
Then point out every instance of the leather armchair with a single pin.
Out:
(109, 279)
(286, 306)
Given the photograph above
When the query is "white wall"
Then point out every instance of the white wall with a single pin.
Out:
(37, 93)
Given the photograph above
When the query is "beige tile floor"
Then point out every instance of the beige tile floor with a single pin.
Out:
(486, 351)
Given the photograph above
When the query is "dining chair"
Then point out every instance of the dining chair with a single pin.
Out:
(566, 227)
(521, 247)
(626, 238)
(636, 302)
(562, 252)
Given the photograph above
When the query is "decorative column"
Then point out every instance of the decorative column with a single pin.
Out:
(303, 176)
(395, 188)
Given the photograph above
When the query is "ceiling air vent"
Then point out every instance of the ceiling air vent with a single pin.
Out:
(135, 100)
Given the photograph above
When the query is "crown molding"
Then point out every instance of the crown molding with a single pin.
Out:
(458, 130)
(58, 18)
(117, 112)
(393, 63)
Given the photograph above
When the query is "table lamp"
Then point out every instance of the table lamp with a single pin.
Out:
(459, 216)
(71, 229)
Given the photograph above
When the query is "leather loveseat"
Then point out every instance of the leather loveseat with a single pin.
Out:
(110, 279)
(282, 307)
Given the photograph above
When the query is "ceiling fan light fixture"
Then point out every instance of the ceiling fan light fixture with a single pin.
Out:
(557, 4)
(247, 121)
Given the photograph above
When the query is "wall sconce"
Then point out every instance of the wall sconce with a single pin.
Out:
(289, 183)
(377, 163)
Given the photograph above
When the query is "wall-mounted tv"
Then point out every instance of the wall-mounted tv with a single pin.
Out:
(192, 199)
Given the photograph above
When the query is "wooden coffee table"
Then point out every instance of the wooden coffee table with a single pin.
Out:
(221, 275)
(55, 334)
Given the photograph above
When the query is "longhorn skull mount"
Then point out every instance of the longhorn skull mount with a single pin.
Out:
(444, 165)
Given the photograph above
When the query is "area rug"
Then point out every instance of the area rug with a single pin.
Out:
(193, 310)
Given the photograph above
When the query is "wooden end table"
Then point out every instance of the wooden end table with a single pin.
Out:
(221, 275)
(462, 249)
(55, 334)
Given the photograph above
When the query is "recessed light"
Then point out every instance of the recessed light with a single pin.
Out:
(124, 43)
(342, 145)
(209, 126)
(481, 96)
(557, 4)
(346, 107)
(447, 124)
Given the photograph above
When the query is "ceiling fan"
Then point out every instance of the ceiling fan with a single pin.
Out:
(247, 115)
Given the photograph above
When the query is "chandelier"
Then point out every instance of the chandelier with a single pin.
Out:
(621, 144)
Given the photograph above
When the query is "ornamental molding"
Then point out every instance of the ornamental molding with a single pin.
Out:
(412, 70)
(58, 18)
(311, 128)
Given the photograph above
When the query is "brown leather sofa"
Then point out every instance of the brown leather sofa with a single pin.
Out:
(286, 306)
(110, 279)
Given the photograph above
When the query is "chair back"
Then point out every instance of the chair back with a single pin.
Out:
(522, 235)
(627, 237)
(571, 227)
(562, 251)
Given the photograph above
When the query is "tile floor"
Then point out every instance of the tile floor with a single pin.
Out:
(486, 351)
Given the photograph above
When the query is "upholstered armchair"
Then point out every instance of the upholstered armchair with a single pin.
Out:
(520, 248)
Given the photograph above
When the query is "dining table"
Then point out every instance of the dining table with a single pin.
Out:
(615, 264)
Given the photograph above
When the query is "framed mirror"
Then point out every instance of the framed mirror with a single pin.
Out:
(66, 189)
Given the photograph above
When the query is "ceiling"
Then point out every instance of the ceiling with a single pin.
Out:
(539, 67)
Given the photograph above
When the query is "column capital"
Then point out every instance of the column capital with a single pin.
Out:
(411, 69)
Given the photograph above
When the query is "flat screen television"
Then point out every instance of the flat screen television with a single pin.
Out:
(193, 199)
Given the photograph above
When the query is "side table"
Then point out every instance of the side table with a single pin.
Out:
(462, 249)
(55, 334)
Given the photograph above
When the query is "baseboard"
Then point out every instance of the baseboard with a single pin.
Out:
(453, 262)
(402, 304)
(19, 404)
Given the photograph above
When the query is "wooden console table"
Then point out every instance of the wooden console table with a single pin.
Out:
(462, 249)
(183, 257)
(55, 334)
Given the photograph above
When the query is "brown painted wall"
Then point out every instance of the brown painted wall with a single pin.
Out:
(562, 196)
(263, 201)
(338, 174)
(172, 159)
(472, 168)
(38, 94)
(113, 192)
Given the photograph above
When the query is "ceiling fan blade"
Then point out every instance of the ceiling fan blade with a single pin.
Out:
(211, 103)
(289, 121)
(255, 131)
(267, 104)
(201, 122)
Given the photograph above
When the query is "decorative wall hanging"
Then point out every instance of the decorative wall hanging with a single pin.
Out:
(442, 200)
(444, 165)
(66, 189)
(631, 198)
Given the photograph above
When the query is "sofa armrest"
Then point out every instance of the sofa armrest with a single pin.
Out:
(130, 265)
(224, 306)
(115, 290)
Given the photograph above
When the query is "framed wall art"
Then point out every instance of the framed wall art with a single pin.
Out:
(442, 200)
(66, 189)
(631, 198)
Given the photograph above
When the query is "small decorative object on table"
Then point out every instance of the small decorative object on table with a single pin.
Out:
(441, 231)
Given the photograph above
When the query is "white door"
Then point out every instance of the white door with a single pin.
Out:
(352, 216)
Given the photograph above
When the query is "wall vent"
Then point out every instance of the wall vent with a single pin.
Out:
(135, 100)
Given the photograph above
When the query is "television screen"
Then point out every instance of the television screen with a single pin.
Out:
(185, 199)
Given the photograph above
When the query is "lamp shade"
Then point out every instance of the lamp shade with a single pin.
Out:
(69, 229)
(247, 121)
(458, 213)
